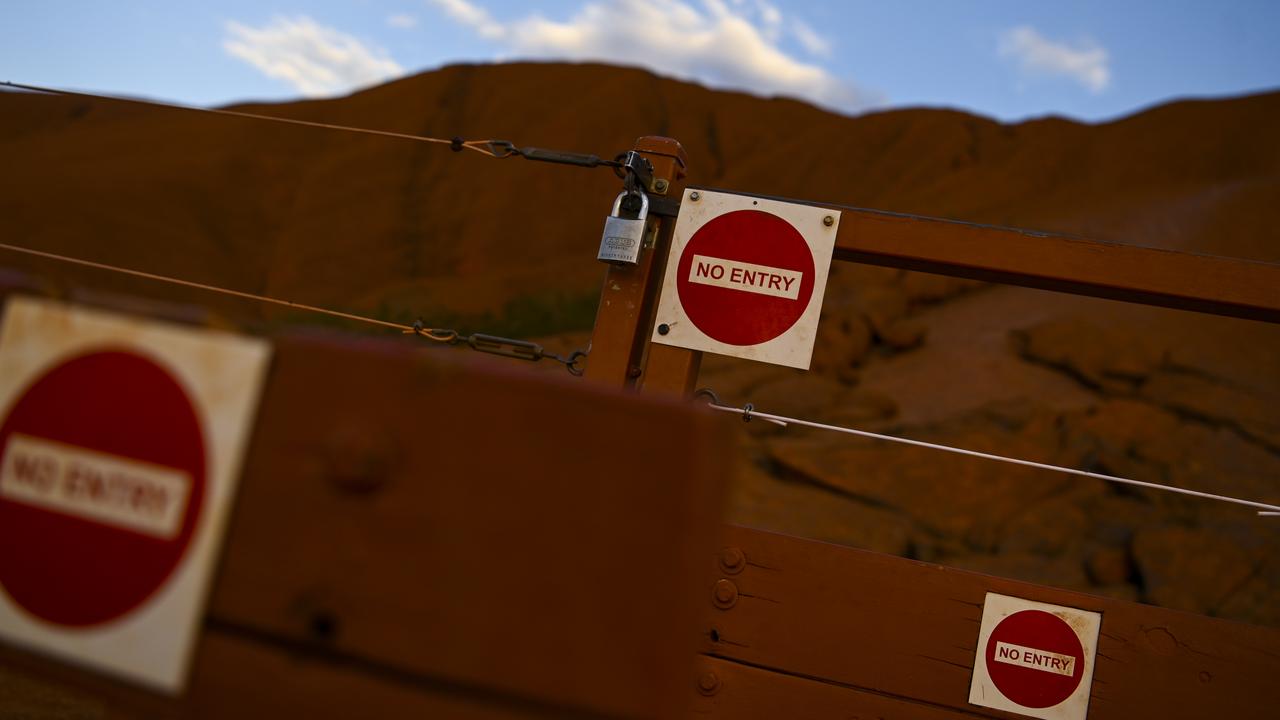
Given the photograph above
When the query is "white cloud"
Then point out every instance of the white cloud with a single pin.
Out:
(403, 21)
(810, 40)
(473, 16)
(770, 20)
(729, 45)
(314, 59)
(771, 15)
(1035, 54)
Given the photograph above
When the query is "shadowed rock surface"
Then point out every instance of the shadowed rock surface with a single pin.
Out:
(402, 230)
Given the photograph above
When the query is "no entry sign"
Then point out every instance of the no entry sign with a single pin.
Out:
(114, 488)
(745, 277)
(120, 441)
(1034, 659)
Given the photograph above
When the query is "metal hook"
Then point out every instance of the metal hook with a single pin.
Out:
(707, 393)
(449, 337)
(572, 363)
(746, 412)
(501, 148)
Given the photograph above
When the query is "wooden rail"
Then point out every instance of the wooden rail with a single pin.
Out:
(842, 632)
(1150, 276)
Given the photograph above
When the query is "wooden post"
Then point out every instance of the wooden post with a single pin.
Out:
(671, 370)
(630, 295)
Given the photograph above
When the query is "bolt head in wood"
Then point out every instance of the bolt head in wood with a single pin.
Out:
(660, 186)
(357, 459)
(732, 560)
(708, 683)
(725, 595)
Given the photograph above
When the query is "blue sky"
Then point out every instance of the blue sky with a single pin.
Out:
(1010, 60)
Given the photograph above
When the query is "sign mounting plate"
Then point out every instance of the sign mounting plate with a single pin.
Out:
(1035, 659)
(120, 448)
(745, 277)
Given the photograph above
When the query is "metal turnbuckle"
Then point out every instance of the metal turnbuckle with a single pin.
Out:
(503, 347)
(506, 347)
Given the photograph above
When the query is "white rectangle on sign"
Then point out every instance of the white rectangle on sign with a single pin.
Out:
(1023, 656)
(148, 499)
(747, 277)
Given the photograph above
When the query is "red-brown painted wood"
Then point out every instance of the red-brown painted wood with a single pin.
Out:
(630, 294)
(237, 677)
(1150, 276)
(908, 630)
(438, 519)
(727, 689)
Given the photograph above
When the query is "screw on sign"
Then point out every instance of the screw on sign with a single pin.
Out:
(102, 474)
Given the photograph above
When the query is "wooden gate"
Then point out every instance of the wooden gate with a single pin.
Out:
(418, 535)
(796, 628)
(421, 534)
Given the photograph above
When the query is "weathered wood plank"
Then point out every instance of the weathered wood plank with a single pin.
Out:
(1150, 276)
(241, 678)
(470, 521)
(726, 689)
(437, 518)
(909, 629)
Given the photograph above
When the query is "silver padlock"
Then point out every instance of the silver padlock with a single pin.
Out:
(623, 236)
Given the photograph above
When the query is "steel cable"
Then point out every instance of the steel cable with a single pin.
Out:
(748, 413)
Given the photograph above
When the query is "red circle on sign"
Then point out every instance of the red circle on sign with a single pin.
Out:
(59, 562)
(1035, 658)
(745, 277)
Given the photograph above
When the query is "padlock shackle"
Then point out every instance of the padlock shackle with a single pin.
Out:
(644, 203)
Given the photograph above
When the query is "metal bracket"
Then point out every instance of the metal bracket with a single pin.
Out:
(638, 169)
(664, 207)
